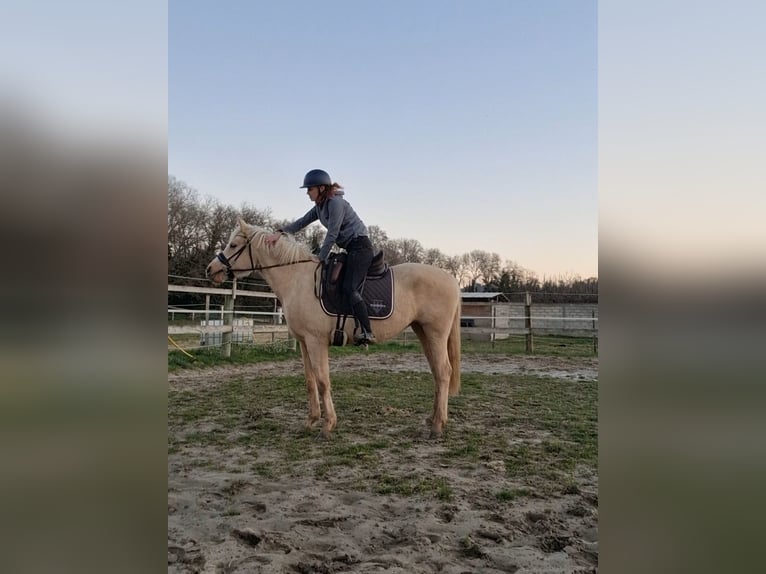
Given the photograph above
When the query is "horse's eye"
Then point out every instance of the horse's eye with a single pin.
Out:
(232, 245)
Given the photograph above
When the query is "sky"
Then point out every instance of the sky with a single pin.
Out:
(682, 135)
(427, 109)
(463, 125)
(87, 69)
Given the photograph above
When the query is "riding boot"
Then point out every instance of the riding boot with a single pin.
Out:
(365, 337)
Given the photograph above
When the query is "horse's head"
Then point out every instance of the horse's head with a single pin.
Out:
(238, 258)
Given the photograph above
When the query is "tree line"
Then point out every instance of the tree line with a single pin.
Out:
(199, 226)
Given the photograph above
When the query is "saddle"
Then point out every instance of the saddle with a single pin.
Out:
(377, 291)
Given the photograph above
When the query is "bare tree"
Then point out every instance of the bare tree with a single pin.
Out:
(490, 269)
(186, 227)
(516, 275)
(197, 228)
(410, 250)
(475, 263)
(221, 221)
(435, 257)
(255, 216)
(315, 235)
(377, 236)
(457, 265)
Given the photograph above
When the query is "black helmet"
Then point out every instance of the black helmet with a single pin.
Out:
(316, 177)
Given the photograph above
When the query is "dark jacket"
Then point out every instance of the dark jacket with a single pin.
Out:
(340, 219)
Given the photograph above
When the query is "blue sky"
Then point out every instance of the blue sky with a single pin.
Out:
(464, 125)
(87, 68)
(682, 126)
(428, 108)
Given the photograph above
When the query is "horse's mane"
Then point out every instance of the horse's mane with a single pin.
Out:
(286, 250)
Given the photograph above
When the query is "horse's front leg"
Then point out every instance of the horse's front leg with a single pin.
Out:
(311, 387)
(317, 351)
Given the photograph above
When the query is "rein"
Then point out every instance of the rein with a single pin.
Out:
(262, 267)
(230, 270)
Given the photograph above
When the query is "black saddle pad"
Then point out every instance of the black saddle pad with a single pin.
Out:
(378, 294)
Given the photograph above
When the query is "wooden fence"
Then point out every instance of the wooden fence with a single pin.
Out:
(479, 321)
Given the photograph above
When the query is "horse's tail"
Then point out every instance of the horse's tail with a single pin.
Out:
(453, 352)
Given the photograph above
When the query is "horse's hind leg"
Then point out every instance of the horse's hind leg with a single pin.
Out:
(311, 387)
(435, 349)
(316, 350)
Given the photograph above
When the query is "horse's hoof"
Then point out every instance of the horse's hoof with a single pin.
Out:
(435, 434)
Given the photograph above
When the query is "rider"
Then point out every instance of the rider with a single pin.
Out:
(345, 229)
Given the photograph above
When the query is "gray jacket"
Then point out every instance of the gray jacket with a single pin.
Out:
(340, 219)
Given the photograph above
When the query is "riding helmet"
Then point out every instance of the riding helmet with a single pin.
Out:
(316, 177)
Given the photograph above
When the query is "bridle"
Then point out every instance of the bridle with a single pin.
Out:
(228, 261)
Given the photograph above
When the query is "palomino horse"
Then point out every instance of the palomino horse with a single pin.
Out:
(427, 299)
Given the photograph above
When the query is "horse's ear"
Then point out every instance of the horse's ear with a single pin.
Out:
(242, 223)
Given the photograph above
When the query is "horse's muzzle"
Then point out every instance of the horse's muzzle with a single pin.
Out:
(210, 274)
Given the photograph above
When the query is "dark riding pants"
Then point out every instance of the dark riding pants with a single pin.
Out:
(359, 257)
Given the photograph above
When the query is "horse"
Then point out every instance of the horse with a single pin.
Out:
(427, 299)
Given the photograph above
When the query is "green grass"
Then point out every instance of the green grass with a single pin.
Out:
(240, 355)
(279, 351)
(506, 495)
(412, 485)
(538, 433)
(548, 345)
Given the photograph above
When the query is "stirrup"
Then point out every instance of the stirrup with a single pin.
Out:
(364, 338)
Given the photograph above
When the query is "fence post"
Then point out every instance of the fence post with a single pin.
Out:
(206, 336)
(228, 320)
(228, 316)
(595, 333)
(494, 324)
(528, 322)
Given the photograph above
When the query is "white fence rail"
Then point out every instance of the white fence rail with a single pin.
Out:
(488, 321)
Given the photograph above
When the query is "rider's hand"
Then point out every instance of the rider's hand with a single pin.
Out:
(272, 238)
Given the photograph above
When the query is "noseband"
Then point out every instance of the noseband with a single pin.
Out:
(228, 262)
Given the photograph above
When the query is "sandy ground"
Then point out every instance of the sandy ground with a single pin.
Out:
(234, 522)
(557, 367)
